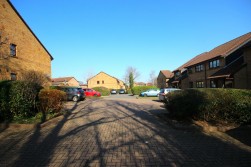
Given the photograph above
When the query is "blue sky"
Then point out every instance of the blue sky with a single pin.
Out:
(89, 36)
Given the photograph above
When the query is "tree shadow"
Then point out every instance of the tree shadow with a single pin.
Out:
(122, 134)
(242, 134)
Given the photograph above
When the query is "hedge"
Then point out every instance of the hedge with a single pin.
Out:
(213, 105)
(18, 99)
(138, 89)
(104, 91)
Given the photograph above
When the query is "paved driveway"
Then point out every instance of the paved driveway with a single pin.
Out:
(117, 132)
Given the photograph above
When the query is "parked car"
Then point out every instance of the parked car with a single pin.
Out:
(150, 92)
(91, 92)
(113, 91)
(122, 91)
(73, 93)
(164, 92)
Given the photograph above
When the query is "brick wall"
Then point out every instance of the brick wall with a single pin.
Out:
(161, 81)
(204, 74)
(31, 55)
(242, 79)
(104, 80)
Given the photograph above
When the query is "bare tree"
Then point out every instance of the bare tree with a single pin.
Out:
(4, 56)
(36, 77)
(133, 71)
(88, 75)
(153, 78)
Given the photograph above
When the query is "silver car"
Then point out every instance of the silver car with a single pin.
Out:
(150, 92)
(164, 92)
(113, 91)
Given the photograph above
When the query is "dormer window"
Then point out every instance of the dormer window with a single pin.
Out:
(13, 50)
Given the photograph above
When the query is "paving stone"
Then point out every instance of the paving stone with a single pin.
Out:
(108, 132)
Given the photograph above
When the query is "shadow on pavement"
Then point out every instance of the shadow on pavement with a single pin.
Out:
(242, 134)
(116, 133)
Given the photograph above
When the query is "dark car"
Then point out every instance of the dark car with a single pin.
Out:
(122, 91)
(73, 93)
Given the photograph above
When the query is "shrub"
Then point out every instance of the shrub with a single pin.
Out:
(18, 99)
(104, 91)
(51, 100)
(23, 98)
(5, 114)
(138, 89)
(216, 105)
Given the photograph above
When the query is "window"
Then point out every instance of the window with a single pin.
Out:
(13, 76)
(97, 82)
(190, 71)
(177, 74)
(212, 84)
(199, 68)
(103, 82)
(214, 63)
(200, 84)
(13, 51)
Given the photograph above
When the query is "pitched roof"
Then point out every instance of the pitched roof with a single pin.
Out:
(167, 73)
(12, 6)
(63, 79)
(106, 74)
(191, 61)
(223, 50)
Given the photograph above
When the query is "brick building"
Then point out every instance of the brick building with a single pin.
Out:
(65, 81)
(227, 65)
(104, 80)
(20, 49)
(163, 78)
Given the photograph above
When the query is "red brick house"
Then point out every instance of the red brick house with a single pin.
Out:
(163, 78)
(227, 65)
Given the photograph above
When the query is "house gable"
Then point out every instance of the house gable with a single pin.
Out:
(103, 79)
(30, 53)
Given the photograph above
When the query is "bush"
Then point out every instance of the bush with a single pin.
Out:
(18, 99)
(51, 100)
(104, 91)
(5, 114)
(214, 105)
(138, 89)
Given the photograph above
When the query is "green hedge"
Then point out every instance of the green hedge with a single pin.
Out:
(104, 91)
(215, 105)
(138, 89)
(18, 99)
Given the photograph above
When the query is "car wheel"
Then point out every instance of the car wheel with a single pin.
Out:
(145, 95)
(75, 98)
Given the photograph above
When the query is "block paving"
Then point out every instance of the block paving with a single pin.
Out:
(116, 133)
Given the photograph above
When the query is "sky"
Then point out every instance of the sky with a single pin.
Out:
(86, 37)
